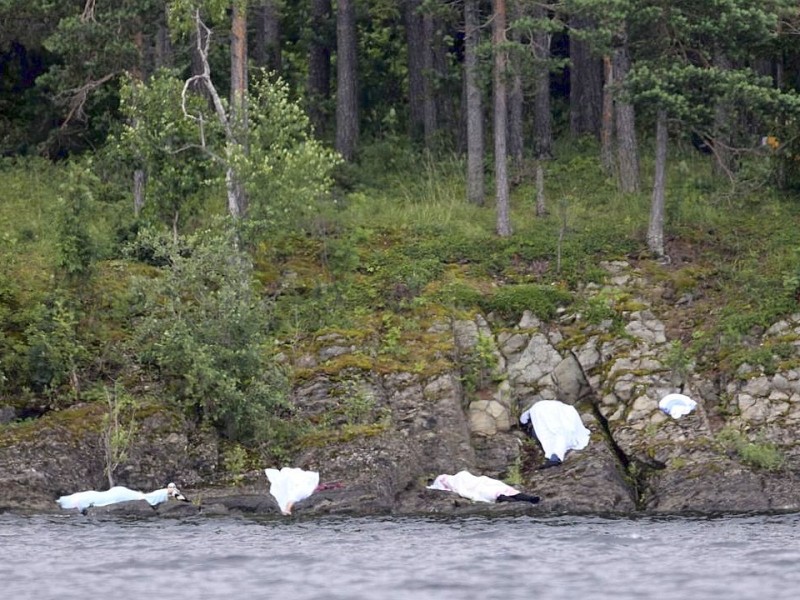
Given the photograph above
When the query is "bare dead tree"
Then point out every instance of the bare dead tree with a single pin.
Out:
(234, 189)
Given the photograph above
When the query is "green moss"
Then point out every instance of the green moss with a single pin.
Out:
(74, 422)
(321, 438)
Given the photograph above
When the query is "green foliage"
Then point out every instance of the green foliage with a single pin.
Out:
(458, 295)
(204, 329)
(118, 428)
(478, 364)
(55, 351)
(511, 301)
(358, 406)
(235, 460)
(600, 308)
(678, 360)
(76, 249)
(288, 173)
(158, 138)
(401, 277)
(761, 455)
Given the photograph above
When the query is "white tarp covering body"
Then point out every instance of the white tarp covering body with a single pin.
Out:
(83, 500)
(291, 485)
(677, 405)
(557, 426)
(480, 489)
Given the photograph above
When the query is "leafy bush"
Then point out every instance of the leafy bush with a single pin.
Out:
(458, 295)
(204, 333)
(511, 301)
(762, 455)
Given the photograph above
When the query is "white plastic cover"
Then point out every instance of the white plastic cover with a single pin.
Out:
(677, 405)
(291, 485)
(557, 426)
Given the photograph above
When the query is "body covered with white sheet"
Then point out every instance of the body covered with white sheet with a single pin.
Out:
(117, 494)
(291, 485)
(557, 426)
(480, 489)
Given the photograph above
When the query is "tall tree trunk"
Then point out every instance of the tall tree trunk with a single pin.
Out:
(233, 143)
(319, 65)
(542, 115)
(444, 97)
(164, 54)
(415, 38)
(268, 36)
(627, 151)
(607, 120)
(346, 80)
(428, 82)
(655, 230)
(139, 177)
(238, 99)
(585, 84)
(475, 178)
(516, 101)
(500, 119)
(139, 186)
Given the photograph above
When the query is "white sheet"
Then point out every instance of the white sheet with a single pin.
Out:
(83, 500)
(291, 485)
(480, 489)
(677, 405)
(557, 426)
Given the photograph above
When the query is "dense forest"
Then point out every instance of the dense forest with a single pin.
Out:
(166, 164)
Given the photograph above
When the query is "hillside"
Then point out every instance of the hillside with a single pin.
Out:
(189, 348)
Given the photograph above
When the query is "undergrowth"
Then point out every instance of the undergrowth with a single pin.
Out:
(399, 246)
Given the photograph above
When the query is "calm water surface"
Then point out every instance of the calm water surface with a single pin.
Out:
(69, 556)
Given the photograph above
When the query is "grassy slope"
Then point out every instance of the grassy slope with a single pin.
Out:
(402, 247)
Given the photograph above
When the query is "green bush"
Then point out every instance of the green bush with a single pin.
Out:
(459, 295)
(762, 455)
(204, 333)
(511, 301)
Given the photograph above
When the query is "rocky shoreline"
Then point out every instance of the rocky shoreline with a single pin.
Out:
(736, 453)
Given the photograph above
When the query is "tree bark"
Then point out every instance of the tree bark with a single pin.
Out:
(516, 102)
(627, 151)
(655, 230)
(346, 80)
(164, 55)
(416, 81)
(607, 121)
(500, 119)
(139, 181)
(585, 85)
(319, 65)
(429, 118)
(475, 150)
(267, 44)
(139, 178)
(233, 145)
(542, 114)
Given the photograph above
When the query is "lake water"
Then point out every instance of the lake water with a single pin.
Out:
(570, 558)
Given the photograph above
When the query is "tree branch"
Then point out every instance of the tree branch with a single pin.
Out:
(79, 96)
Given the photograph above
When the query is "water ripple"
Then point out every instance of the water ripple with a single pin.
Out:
(65, 558)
